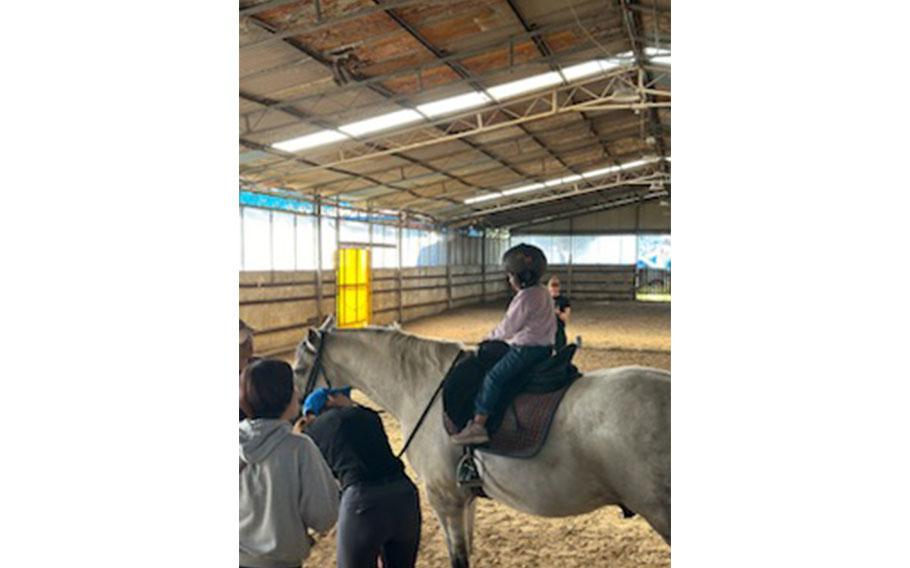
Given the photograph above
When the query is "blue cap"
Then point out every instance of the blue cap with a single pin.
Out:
(317, 399)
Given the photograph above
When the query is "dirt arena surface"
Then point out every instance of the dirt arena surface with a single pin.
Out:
(614, 334)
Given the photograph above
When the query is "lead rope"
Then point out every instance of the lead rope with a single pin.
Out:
(429, 405)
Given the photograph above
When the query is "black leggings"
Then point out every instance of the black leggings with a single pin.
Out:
(560, 340)
(379, 520)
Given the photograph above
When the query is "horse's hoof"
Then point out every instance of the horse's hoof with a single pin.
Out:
(626, 513)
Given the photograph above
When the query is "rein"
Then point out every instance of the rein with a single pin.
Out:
(426, 410)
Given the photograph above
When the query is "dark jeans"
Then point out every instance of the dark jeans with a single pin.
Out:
(499, 379)
(381, 519)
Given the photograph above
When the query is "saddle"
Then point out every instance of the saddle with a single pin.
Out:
(520, 428)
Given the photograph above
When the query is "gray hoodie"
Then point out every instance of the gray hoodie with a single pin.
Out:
(285, 488)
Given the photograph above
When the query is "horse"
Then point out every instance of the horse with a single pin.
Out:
(609, 442)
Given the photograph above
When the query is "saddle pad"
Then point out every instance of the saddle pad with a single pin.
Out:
(465, 379)
(523, 427)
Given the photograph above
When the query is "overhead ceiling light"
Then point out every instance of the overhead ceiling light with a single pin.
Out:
(658, 55)
(636, 163)
(453, 104)
(582, 70)
(562, 181)
(309, 141)
(526, 85)
(523, 189)
(618, 168)
(600, 172)
(594, 67)
(457, 103)
(381, 122)
(656, 52)
(608, 65)
(485, 197)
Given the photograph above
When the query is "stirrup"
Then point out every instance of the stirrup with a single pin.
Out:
(466, 472)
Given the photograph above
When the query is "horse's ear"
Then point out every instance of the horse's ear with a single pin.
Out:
(313, 337)
(328, 324)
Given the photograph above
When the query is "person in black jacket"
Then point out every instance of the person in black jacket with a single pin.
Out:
(380, 508)
(563, 312)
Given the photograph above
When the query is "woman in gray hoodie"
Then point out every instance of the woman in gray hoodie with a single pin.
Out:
(286, 487)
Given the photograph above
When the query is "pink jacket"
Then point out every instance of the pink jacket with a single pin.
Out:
(530, 319)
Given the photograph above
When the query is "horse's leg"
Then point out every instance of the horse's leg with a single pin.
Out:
(456, 515)
(659, 519)
(656, 510)
(468, 516)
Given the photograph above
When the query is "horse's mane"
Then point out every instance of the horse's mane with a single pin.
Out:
(402, 339)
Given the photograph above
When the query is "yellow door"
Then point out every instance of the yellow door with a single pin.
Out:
(353, 301)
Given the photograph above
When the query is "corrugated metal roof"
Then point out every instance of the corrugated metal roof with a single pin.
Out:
(300, 73)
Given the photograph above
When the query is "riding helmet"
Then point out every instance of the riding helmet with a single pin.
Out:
(527, 262)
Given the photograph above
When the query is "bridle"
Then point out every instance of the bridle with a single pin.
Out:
(317, 369)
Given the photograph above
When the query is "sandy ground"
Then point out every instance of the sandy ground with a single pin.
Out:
(613, 334)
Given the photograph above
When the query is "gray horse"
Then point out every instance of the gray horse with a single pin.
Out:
(609, 443)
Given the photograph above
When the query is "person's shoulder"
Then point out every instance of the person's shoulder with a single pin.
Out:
(358, 412)
(538, 290)
(304, 442)
(325, 421)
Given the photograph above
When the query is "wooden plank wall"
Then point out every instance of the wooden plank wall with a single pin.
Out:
(596, 282)
(281, 305)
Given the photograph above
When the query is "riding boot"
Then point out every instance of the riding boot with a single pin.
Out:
(472, 434)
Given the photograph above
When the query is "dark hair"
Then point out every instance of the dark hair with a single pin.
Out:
(266, 388)
(526, 262)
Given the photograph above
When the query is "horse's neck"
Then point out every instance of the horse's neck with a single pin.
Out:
(396, 371)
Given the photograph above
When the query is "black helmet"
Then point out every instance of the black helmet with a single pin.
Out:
(527, 262)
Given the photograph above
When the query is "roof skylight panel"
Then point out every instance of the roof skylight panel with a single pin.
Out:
(657, 55)
(523, 189)
(453, 104)
(457, 103)
(600, 172)
(526, 85)
(319, 138)
(485, 197)
(381, 122)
